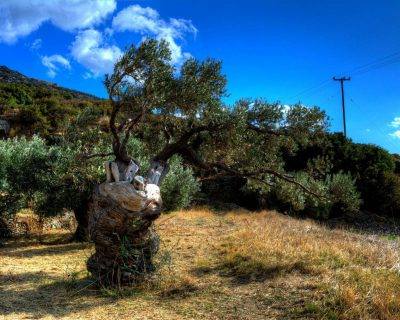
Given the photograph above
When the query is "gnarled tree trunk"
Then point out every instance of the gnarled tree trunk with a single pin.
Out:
(120, 216)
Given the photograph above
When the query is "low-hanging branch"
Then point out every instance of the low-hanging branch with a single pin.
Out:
(255, 175)
(184, 147)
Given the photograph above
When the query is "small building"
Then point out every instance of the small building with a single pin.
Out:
(4, 129)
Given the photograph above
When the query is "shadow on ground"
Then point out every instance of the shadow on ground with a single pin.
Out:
(244, 270)
(366, 223)
(40, 294)
(44, 250)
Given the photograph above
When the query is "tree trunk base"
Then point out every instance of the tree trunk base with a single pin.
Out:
(80, 235)
(129, 266)
(120, 225)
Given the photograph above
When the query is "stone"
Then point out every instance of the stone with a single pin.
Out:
(4, 128)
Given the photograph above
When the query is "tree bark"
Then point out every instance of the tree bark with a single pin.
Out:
(120, 225)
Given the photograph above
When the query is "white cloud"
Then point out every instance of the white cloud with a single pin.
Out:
(53, 63)
(36, 44)
(395, 134)
(21, 17)
(147, 21)
(285, 109)
(395, 123)
(90, 50)
(138, 19)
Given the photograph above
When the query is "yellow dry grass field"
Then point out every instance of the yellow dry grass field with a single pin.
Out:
(234, 265)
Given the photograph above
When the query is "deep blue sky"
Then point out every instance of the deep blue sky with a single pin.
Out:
(270, 49)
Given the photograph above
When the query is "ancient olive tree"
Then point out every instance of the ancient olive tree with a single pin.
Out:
(150, 101)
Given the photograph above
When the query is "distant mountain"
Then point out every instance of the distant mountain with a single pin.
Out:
(8, 75)
(30, 106)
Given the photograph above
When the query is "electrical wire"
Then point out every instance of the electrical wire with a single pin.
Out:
(372, 122)
(376, 64)
(311, 89)
(362, 69)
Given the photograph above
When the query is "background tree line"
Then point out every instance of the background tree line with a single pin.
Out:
(255, 153)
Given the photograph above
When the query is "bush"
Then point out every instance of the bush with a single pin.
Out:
(25, 168)
(338, 196)
(5, 230)
(388, 195)
(179, 186)
(344, 197)
(44, 178)
(293, 199)
(368, 164)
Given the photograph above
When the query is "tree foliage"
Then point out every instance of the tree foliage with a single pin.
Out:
(35, 107)
(262, 152)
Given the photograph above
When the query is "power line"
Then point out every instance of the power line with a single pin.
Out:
(362, 69)
(377, 66)
(375, 62)
(372, 121)
(311, 89)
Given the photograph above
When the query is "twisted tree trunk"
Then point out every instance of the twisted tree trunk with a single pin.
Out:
(120, 217)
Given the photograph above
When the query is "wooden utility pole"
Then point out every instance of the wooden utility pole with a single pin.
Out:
(342, 79)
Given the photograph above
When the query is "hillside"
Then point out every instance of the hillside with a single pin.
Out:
(10, 76)
(236, 265)
(35, 106)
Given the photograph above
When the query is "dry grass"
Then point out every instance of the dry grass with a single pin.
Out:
(27, 223)
(237, 265)
(357, 276)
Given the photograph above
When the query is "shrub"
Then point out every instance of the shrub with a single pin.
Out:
(179, 186)
(344, 197)
(25, 167)
(388, 195)
(292, 198)
(337, 195)
(5, 230)
(49, 178)
(368, 164)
